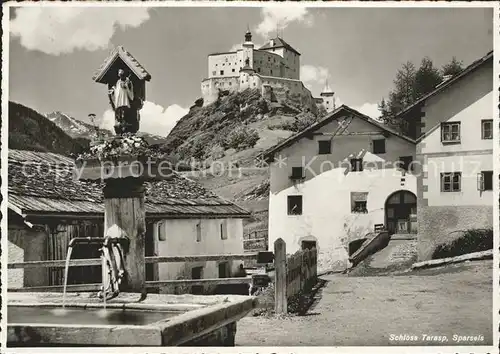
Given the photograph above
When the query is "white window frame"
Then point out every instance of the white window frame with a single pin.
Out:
(223, 230)
(483, 123)
(450, 132)
(359, 197)
(198, 231)
(160, 230)
(448, 182)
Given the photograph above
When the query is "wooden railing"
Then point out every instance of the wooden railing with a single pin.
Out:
(256, 234)
(149, 284)
(151, 259)
(255, 241)
(293, 274)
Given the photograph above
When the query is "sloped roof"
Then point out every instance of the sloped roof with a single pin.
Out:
(340, 112)
(441, 87)
(128, 59)
(278, 43)
(44, 184)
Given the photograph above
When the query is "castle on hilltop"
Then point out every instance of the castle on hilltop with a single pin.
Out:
(274, 69)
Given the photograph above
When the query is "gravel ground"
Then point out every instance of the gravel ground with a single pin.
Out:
(387, 310)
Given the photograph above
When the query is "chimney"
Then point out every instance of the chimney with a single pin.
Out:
(272, 42)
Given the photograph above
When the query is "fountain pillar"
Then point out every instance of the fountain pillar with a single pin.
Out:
(124, 207)
(125, 79)
(124, 176)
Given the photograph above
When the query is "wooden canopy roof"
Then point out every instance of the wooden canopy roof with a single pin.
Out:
(120, 59)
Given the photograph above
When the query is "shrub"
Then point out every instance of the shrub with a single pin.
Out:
(216, 152)
(198, 102)
(263, 107)
(468, 241)
(322, 111)
(241, 138)
(299, 123)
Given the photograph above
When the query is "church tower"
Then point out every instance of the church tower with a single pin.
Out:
(328, 97)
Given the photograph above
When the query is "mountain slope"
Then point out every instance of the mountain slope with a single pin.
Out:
(74, 127)
(29, 130)
(79, 129)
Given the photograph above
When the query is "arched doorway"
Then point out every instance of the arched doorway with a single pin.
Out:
(401, 213)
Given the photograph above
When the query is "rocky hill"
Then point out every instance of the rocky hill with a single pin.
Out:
(224, 138)
(236, 128)
(30, 130)
(79, 129)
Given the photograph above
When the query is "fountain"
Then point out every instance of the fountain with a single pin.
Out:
(122, 313)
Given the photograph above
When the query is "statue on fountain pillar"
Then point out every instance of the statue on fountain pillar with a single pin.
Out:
(125, 104)
(127, 92)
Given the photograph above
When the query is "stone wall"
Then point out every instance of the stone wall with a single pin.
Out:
(437, 222)
(283, 88)
(210, 88)
(24, 245)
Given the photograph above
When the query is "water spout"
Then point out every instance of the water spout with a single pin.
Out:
(66, 270)
(104, 268)
(112, 262)
(113, 267)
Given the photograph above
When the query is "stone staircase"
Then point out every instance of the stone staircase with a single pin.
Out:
(397, 251)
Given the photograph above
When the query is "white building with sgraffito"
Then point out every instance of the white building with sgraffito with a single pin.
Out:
(337, 181)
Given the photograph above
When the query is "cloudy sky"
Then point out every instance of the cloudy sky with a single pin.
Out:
(54, 51)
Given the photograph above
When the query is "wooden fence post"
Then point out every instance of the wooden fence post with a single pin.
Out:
(280, 301)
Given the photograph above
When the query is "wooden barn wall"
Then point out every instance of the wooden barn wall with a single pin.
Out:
(57, 247)
(50, 242)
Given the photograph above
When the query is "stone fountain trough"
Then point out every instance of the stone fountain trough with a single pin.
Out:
(38, 319)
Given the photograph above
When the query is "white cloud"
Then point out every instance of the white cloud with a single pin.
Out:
(310, 74)
(369, 109)
(274, 17)
(235, 47)
(154, 118)
(59, 30)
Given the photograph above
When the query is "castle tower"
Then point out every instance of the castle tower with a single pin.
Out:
(246, 76)
(248, 48)
(248, 35)
(328, 97)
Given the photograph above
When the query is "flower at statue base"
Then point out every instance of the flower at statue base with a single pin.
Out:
(125, 145)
